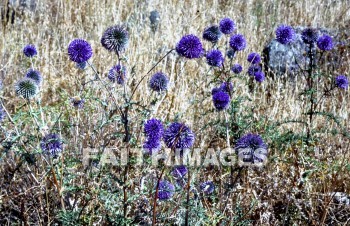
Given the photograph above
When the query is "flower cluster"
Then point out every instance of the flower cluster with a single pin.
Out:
(79, 51)
(117, 74)
(215, 58)
(285, 34)
(251, 150)
(341, 81)
(207, 187)
(166, 190)
(115, 38)
(212, 34)
(178, 136)
(51, 145)
(30, 51)
(35, 75)
(2, 114)
(190, 47)
(153, 130)
(159, 82)
(77, 102)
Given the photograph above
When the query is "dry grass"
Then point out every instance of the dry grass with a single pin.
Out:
(55, 23)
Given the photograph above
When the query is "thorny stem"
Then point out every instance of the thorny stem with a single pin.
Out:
(310, 86)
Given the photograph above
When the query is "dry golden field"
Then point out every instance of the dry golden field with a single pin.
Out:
(296, 187)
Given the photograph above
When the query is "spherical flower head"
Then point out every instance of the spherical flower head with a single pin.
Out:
(226, 87)
(115, 38)
(30, 51)
(79, 51)
(51, 145)
(238, 42)
(285, 34)
(236, 68)
(159, 82)
(215, 90)
(179, 171)
(35, 75)
(27, 88)
(253, 69)
(309, 35)
(190, 47)
(81, 65)
(341, 81)
(77, 102)
(251, 150)
(325, 43)
(215, 58)
(117, 74)
(259, 76)
(2, 114)
(254, 58)
(154, 128)
(152, 145)
(230, 54)
(212, 34)
(207, 187)
(221, 100)
(227, 26)
(166, 190)
(178, 136)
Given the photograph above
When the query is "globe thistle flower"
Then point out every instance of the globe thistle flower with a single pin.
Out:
(230, 54)
(325, 43)
(215, 90)
(79, 51)
(154, 128)
(254, 58)
(221, 100)
(159, 82)
(77, 102)
(309, 35)
(154, 18)
(81, 65)
(117, 74)
(30, 51)
(236, 68)
(2, 114)
(227, 26)
(253, 69)
(178, 136)
(251, 150)
(238, 42)
(166, 190)
(285, 34)
(341, 81)
(212, 34)
(179, 172)
(190, 47)
(226, 87)
(27, 88)
(207, 187)
(35, 75)
(51, 145)
(259, 76)
(152, 145)
(115, 38)
(215, 58)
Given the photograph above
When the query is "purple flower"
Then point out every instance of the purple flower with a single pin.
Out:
(230, 54)
(254, 58)
(221, 100)
(30, 50)
(253, 69)
(215, 58)
(178, 136)
(166, 190)
(51, 145)
(79, 51)
(212, 34)
(226, 87)
(285, 34)
(215, 90)
(238, 42)
(259, 76)
(227, 26)
(325, 43)
(207, 187)
(251, 149)
(115, 38)
(117, 73)
(35, 75)
(309, 35)
(190, 47)
(341, 81)
(154, 128)
(2, 114)
(27, 88)
(236, 68)
(152, 145)
(159, 82)
(77, 102)
(179, 171)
